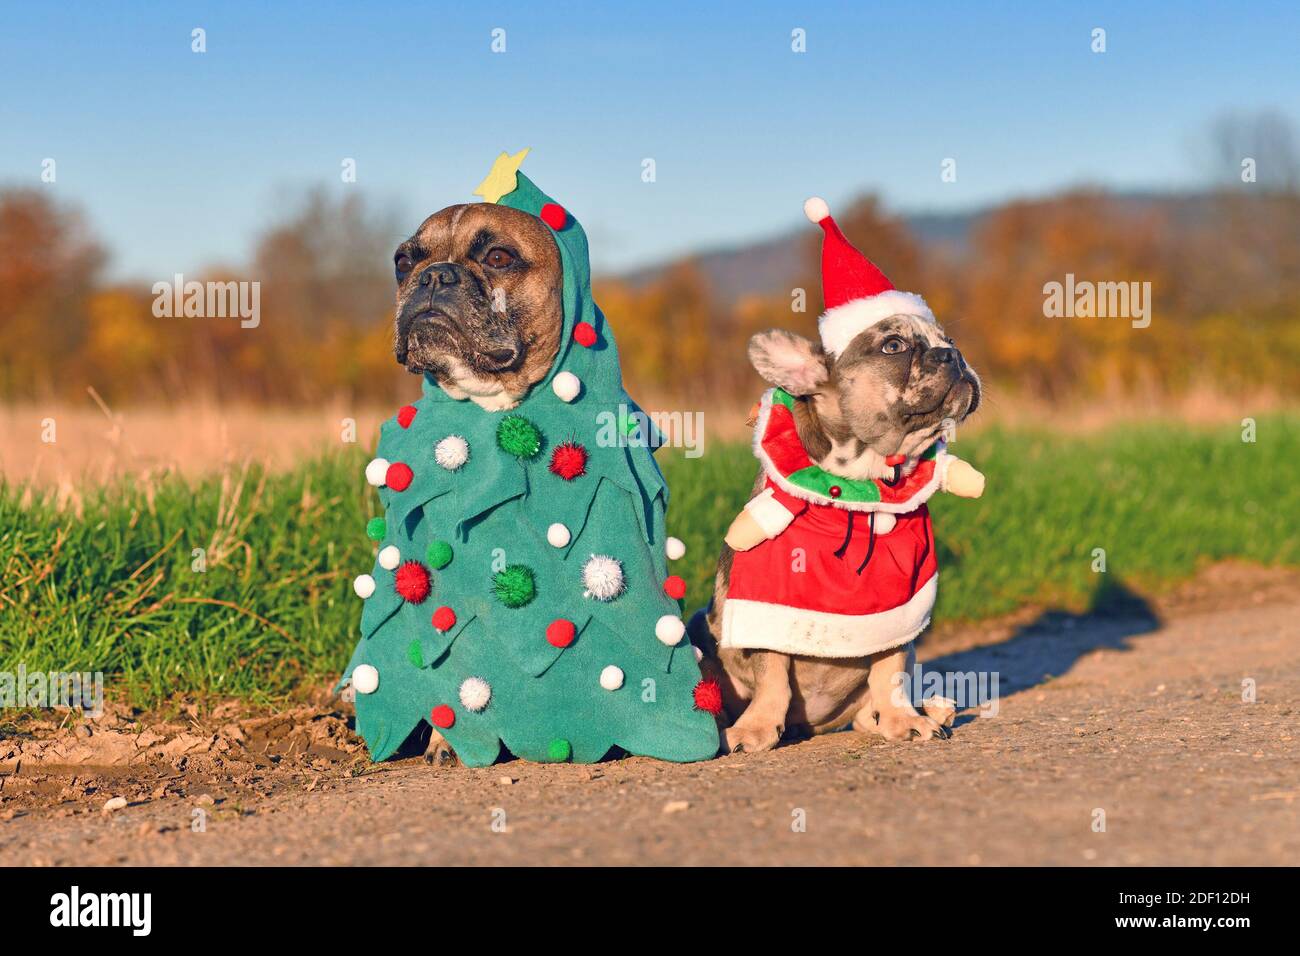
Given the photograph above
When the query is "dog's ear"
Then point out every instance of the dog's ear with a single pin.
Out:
(790, 361)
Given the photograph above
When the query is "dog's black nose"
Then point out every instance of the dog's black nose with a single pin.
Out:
(941, 356)
(442, 273)
(501, 358)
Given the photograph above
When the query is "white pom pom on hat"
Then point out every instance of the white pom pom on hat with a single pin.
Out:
(815, 209)
(557, 535)
(611, 678)
(364, 585)
(674, 548)
(390, 558)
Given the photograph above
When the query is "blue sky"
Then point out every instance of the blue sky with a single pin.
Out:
(179, 158)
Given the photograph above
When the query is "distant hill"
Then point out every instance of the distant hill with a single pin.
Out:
(772, 265)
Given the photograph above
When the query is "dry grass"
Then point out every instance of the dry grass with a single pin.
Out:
(94, 444)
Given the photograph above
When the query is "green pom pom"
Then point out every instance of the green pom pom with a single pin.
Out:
(413, 653)
(376, 528)
(558, 750)
(514, 586)
(519, 437)
(439, 555)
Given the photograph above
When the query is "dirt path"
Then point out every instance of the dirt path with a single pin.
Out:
(1143, 720)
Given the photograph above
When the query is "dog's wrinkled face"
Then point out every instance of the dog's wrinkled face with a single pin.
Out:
(479, 302)
(892, 391)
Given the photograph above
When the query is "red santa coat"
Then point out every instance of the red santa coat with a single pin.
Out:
(829, 584)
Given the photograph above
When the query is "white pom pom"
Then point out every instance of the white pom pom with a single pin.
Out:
(451, 452)
(816, 209)
(475, 693)
(674, 548)
(390, 557)
(364, 585)
(884, 523)
(376, 471)
(699, 654)
(566, 385)
(669, 629)
(611, 678)
(603, 577)
(557, 535)
(365, 679)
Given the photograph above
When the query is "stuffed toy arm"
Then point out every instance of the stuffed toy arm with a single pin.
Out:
(762, 519)
(962, 480)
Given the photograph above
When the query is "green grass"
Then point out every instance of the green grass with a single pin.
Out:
(116, 589)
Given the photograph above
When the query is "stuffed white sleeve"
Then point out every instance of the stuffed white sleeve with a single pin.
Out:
(770, 515)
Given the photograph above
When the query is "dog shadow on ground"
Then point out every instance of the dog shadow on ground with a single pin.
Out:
(1041, 650)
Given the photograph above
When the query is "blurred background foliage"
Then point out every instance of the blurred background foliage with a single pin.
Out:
(1224, 268)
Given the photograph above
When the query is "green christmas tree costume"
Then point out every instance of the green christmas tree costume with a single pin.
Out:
(521, 593)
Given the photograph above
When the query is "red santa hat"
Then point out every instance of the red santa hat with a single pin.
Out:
(857, 294)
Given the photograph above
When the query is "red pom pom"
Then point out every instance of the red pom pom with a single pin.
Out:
(560, 633)
(675, 587)
(412, 582)
(444, 619)
(405, 415)
(708, 696)
(569, 460)
(584, 333)
(892, 460)
(442, 716)
(554, 216)
(399, 475)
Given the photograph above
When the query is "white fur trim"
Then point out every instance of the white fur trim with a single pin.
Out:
(792, 630)
(901, 508)
(772, 516)
(840, 325)
(815, 209)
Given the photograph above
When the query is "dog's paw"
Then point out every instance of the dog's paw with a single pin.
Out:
(941, 709)
(897, 725)
(439, 753)
(751, 739)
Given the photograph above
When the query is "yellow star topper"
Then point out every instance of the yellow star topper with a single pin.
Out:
(502, 178)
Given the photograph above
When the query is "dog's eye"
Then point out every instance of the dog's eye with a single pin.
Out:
(893, 345)
(498, 258)
(403, 264)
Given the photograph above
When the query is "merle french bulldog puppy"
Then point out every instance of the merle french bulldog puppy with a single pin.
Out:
(828, 575)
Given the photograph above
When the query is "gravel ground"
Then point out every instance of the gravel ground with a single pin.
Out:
(1137, 721)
